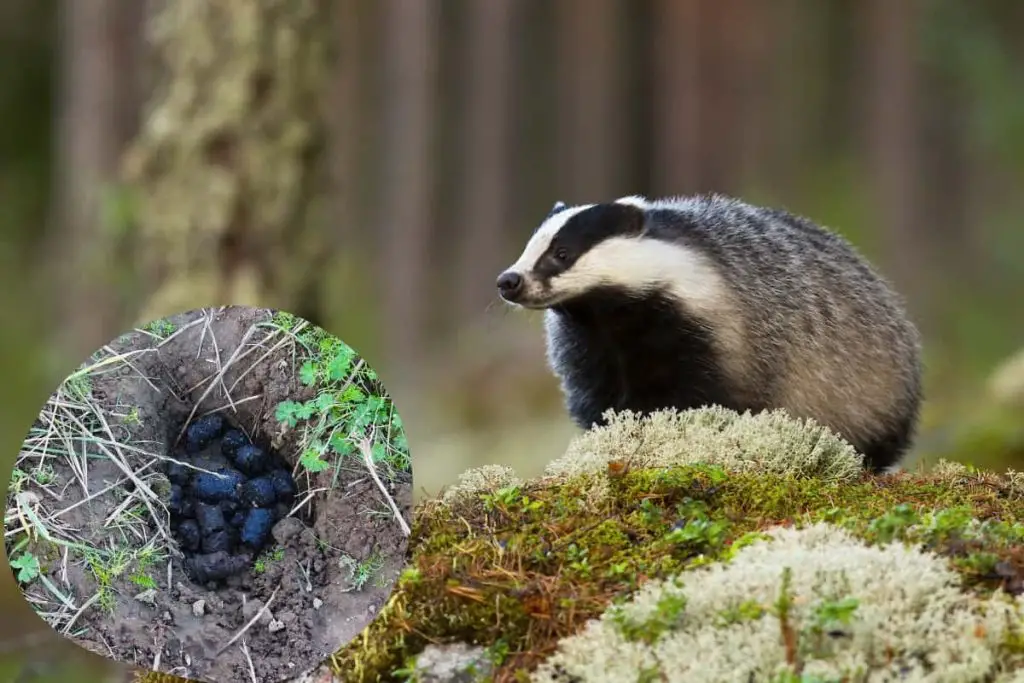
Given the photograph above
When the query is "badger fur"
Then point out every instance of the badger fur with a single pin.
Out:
(694, 301)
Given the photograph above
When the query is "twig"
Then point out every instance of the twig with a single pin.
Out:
(252, 621)
(367, 452)
(259, 360)
(209, 389)
(216, 353)
(252, 670)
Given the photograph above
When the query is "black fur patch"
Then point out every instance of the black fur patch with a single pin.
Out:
(617, 350)
(890, 446)
(583, 232)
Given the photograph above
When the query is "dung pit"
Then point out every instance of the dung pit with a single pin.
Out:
(290, 567)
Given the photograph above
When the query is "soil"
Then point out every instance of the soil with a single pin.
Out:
(183, 628)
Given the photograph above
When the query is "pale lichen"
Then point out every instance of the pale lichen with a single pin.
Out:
(227, 156)
(480, 480)
(768, 442)
(812, 602)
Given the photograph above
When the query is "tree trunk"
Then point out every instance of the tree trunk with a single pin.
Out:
(893, 148)
(98, 98)
(409, 49)
(677, 88)
(485, 161)
(223, 170)
(591, 110)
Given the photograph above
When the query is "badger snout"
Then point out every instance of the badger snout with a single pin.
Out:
(510, 285)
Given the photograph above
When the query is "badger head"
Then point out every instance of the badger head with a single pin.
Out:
(577, 249)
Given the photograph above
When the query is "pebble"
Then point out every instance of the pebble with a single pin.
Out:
(287, 528)
(275, 625)
(147, 596)
(199, 608)
(317, 603)
(250, 608)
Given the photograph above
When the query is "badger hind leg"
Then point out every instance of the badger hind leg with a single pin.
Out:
(888, 447)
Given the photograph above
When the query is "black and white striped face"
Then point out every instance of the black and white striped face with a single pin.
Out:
(576, 249)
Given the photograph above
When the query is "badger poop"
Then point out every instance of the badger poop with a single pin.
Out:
(233, 440)
(251, 459)
(201, 432)
(226, 494)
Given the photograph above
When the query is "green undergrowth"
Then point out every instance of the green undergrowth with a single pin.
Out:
(350, 404)
(530, 564)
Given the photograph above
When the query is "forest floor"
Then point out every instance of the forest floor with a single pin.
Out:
(88, 529)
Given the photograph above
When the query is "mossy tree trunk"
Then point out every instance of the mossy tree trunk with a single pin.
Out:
(226, 167)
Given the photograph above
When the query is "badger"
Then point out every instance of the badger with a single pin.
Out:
(685, 302)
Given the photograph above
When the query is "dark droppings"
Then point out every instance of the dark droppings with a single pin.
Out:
(256, 528)
(178, 473)
(213, 487)
(210, 518)
(284, 485)
(225, 498)
(251, 459)
(201, 432)
(232, 441)
(215, 567)
(259, 493)
(189, 536)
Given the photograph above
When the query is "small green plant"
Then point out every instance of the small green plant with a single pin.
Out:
(44, 475)
(263, 561)
(27, 566)
(894, 523)
(508, 499)
(669, 609)
(349, 405)
(360, 573)
(142, 580)
(160, 328)
(132, 419)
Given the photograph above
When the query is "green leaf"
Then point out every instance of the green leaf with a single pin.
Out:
(352, 394)
(311, 461)
(339, 366)
(341, 445)
(307, 373)
(380, 453)
(286, 411)
(27, 566)
(323, 402)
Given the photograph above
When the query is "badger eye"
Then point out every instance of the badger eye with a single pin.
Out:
(561, 254)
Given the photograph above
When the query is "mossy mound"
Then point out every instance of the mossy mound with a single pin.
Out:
(524, 567)
(527, 569)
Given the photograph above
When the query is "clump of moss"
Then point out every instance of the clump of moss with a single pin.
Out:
(808, 604)
(767, 442)
(474, 481)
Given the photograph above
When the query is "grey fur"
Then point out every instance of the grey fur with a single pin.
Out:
(804, 323)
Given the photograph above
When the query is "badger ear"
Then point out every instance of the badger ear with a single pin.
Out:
(559, 206)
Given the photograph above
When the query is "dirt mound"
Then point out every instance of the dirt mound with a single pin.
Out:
(101, 516)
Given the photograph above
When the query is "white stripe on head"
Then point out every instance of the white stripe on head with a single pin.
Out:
(541, 239)
(638, 264)
(634, 200)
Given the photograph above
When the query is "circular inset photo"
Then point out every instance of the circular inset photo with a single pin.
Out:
(223, 495)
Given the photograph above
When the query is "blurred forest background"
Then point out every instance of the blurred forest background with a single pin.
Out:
(373, 164)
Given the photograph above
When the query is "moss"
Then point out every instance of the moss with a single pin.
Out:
(219, 177)
(498, 567)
